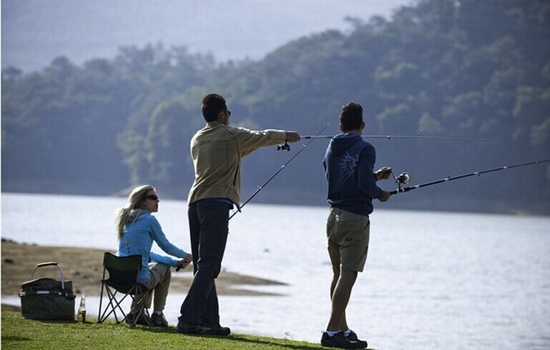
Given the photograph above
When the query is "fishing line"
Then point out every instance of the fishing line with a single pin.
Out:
(388, 137)
(282, 147)
(405, 177)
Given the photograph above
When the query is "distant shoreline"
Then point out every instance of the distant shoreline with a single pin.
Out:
(83, 266)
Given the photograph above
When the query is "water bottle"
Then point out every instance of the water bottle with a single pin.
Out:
(82, 308)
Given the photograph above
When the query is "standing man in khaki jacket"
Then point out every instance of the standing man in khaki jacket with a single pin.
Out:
(216, 150)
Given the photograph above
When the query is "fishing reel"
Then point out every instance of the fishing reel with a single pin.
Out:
(402, 179)
(285, 147)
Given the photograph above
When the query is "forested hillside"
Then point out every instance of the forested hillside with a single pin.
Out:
(469, 69)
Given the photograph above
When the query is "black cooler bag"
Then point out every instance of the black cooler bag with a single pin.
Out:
(47, 298)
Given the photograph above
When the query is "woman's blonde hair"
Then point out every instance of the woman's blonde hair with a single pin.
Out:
(132, 209)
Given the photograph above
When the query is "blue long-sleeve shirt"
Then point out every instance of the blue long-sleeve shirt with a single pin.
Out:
(138, 237)
(349, 165)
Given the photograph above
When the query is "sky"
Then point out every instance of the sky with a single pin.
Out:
(34, 32)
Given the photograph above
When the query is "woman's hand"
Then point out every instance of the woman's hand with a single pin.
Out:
(182, 264)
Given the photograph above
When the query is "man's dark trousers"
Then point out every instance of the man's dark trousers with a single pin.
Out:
(208, 224)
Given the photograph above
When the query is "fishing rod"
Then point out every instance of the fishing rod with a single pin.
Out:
(388, 137)
(404, 178)
(282, 147)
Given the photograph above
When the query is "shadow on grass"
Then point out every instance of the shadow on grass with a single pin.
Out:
(13, 338)
(237, 338)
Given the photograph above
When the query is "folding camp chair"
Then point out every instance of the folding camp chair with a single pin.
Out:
(122, 283)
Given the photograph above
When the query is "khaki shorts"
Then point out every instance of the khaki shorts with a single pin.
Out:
(348, 240)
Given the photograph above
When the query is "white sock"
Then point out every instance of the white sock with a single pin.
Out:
(347, 333)
(332, 333)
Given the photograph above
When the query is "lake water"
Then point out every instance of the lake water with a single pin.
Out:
(432, 280)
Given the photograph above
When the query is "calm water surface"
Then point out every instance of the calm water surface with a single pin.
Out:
(432, 280)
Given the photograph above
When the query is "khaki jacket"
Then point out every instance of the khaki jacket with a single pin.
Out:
(216, 151)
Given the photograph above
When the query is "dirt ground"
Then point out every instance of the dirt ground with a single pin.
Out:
(84, 267)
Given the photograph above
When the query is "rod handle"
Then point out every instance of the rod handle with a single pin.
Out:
(400, 190)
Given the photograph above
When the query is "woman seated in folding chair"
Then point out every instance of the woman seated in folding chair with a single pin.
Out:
(137, 230)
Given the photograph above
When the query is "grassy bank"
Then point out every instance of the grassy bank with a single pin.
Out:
(19, 333)
(84, 267)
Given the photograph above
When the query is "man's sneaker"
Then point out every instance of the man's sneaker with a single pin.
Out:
(217, 329)
(196, 329)
(340, 341)
(191, 328)
(159, 320)
(352, 336)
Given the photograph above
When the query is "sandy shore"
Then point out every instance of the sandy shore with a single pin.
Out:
(84, 267)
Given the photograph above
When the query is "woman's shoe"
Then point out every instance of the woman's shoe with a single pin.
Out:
(159, 320)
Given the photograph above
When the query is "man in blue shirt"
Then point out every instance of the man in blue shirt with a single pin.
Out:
(349, 163)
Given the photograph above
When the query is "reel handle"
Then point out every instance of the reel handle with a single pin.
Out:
(284, 147)
(401, 179)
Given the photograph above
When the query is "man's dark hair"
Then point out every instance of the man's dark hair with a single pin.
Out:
(351, 116)
(212, 105)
